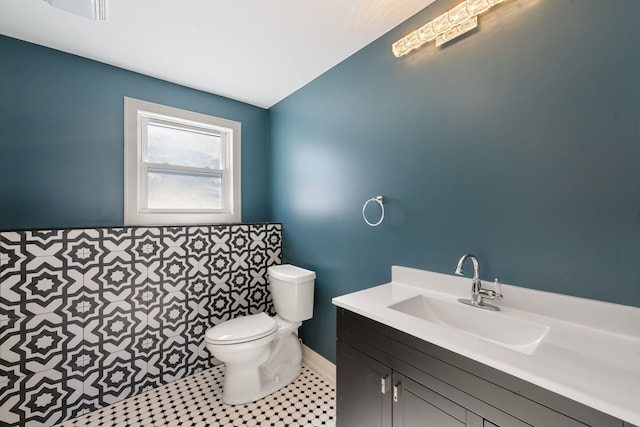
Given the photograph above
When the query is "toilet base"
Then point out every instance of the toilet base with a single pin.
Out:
(244, 383)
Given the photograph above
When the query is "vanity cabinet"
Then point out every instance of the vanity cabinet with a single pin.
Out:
(388, 378)
(364, 387)
(372, 394)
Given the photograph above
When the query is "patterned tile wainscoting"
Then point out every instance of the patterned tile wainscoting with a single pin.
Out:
(89, 317)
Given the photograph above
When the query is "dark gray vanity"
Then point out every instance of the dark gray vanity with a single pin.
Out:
(410, 353)
(386, 377)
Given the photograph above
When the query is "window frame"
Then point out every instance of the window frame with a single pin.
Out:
(137, 115)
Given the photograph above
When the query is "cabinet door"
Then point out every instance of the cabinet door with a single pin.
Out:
(364, 387)
(417, 406)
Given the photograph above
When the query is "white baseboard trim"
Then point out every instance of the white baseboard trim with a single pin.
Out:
(319, 364)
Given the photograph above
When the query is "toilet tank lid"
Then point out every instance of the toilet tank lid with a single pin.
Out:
(291, 273)
(242, 329)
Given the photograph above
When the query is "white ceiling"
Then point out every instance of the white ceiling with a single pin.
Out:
(255, 51)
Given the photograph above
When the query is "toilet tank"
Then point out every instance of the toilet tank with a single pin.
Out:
(292, 291)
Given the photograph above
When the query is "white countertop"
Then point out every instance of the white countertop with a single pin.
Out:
(591, 352)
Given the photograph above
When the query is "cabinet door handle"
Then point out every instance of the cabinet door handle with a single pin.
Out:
(397, 390)
(384, 384)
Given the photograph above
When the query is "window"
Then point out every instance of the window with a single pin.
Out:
(181, 167)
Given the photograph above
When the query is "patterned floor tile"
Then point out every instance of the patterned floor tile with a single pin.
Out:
(195, 401)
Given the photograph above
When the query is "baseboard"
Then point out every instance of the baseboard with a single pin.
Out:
(319, 364)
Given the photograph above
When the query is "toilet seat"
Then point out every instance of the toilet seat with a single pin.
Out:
(242, 329)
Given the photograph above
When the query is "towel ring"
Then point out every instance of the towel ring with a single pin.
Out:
(378, 200)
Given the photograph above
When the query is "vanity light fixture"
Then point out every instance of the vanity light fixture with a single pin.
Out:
(446, 27)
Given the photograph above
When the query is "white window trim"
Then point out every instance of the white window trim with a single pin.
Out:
(135, 113)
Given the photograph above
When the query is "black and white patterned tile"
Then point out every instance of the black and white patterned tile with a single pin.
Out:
(148, 245)
(83, 248)
(199, 242)
(116, 277)
(195, 401)
(174, 236)
(41, 398)
(46, 287)
(89, 317)
(41, 243)
(11, 253)
(115, 379)
(219, 305)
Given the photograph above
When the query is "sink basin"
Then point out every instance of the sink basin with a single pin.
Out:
(497, 327)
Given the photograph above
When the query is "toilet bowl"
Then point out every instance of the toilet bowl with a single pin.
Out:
(261, 353)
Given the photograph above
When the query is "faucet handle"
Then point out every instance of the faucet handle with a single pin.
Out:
(498, 288)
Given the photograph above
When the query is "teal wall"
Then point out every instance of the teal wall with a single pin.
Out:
(519, 143)
(61, 138)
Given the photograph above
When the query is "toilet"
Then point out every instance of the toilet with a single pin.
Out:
(262, 354)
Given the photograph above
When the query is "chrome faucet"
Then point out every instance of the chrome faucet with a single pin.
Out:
(478, 293)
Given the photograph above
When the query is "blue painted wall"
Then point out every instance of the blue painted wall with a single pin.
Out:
(519, 143)
(61, 138)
